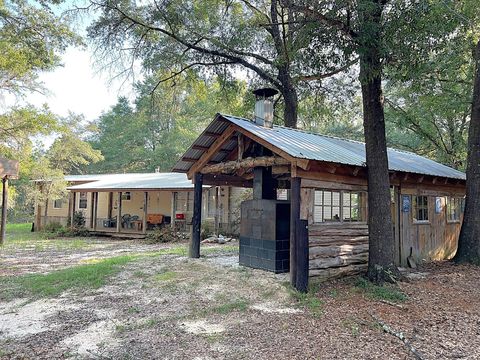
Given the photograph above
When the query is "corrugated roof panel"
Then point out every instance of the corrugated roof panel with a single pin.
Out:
(138, 181)
(305, 145)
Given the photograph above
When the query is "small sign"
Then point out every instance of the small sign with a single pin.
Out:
(438, 205)
(406, 203)
(8, 168)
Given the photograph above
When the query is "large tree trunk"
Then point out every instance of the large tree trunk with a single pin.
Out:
(469, 241)
(381, 259)
(291, 107)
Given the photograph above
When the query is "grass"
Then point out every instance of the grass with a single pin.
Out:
(165, 276)
(308, 300)
(82, 277)
(235, 305)
(385, 292)
(21, 236)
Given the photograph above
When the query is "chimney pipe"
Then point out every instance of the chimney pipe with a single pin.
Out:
(264, 106)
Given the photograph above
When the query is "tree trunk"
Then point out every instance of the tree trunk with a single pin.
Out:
(469, 240)
(291, 107)
(381, 259)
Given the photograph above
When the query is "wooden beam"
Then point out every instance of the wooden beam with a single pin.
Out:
(211, 134)
(119, 211)
(74, 204)
(187, 159)
(240, 147)
(420, 179)
(356, 170)
(227, 180)
(3, 230)
(405, 177)
(95, 212)
(205, 148)
(332, 169)
(145, 212)
(194, 250)
(207, 155)
(298, 240)
(434, 180)
(92, 195)
(230, 166)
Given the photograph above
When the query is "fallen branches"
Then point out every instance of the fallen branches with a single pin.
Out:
(400, 336)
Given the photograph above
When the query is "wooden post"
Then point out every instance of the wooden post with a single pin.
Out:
(3, 231)
(72, 215)
(197, 216)
(95, 212)
(172, 215)
(145, 212)
(92, 200)
(298, 240)
(119, 211)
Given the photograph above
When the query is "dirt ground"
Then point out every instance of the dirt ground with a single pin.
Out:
(172, 307)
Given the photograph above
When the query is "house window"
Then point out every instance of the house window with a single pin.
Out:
(126, 196)
(339, 206)
(282, 194)
(454, 205)
(420, 208)
(211, 202)
(82, 202)
(57, 204)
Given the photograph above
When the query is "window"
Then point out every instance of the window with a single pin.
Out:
(126, 196)
(57, 204)
(211, 202)
(282, 194)
(82, 202)
(339, 206)
(454, 205)
(420, 208)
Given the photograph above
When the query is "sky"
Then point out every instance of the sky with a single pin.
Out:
(77, 87)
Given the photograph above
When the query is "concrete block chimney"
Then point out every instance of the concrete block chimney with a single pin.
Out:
(264, 106)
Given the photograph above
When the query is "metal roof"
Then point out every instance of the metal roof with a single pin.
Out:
(306, 145)
(150, 181)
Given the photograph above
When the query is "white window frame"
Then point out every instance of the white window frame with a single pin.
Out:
(55, 203)
(457, 201)
(341, 206)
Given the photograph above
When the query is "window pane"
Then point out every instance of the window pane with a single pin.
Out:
(327, 198)
(317, 214)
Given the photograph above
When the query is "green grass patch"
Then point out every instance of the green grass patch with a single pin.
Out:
(165, 276)
(308, 300)
(240, 305)
(77, 278)
(388, 292)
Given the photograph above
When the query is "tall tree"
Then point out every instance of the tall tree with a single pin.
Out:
(469, 240)
(264, 38)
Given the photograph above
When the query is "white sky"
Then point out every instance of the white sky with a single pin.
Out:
(77, 87)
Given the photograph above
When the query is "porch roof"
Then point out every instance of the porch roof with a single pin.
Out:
(136, 182)
(307, 145)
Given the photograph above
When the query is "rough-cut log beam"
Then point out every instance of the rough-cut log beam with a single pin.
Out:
(434, 181)
(231, 166)
(227, 180)
(405, 177)
(356, 170)
(420, 179)
(240, 147)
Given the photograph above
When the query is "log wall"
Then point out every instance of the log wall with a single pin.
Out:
(338, 249)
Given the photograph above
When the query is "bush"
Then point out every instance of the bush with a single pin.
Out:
(163, 235)
(53, 227)
(206, 230)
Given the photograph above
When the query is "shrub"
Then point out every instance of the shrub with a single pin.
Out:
(53, 227)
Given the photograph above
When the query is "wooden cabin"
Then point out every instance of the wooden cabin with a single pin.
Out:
(142, 202)
(321, 230)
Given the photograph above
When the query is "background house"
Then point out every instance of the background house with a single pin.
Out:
(141, 202)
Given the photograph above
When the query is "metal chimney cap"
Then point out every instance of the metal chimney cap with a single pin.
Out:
(265, 92)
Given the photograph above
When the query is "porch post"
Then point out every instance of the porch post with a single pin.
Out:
(95, 211)
(145, 212)
(119, 211)
(194, 251)
(298, 240)
(92, 200)
(72, 215)
(4, 209)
